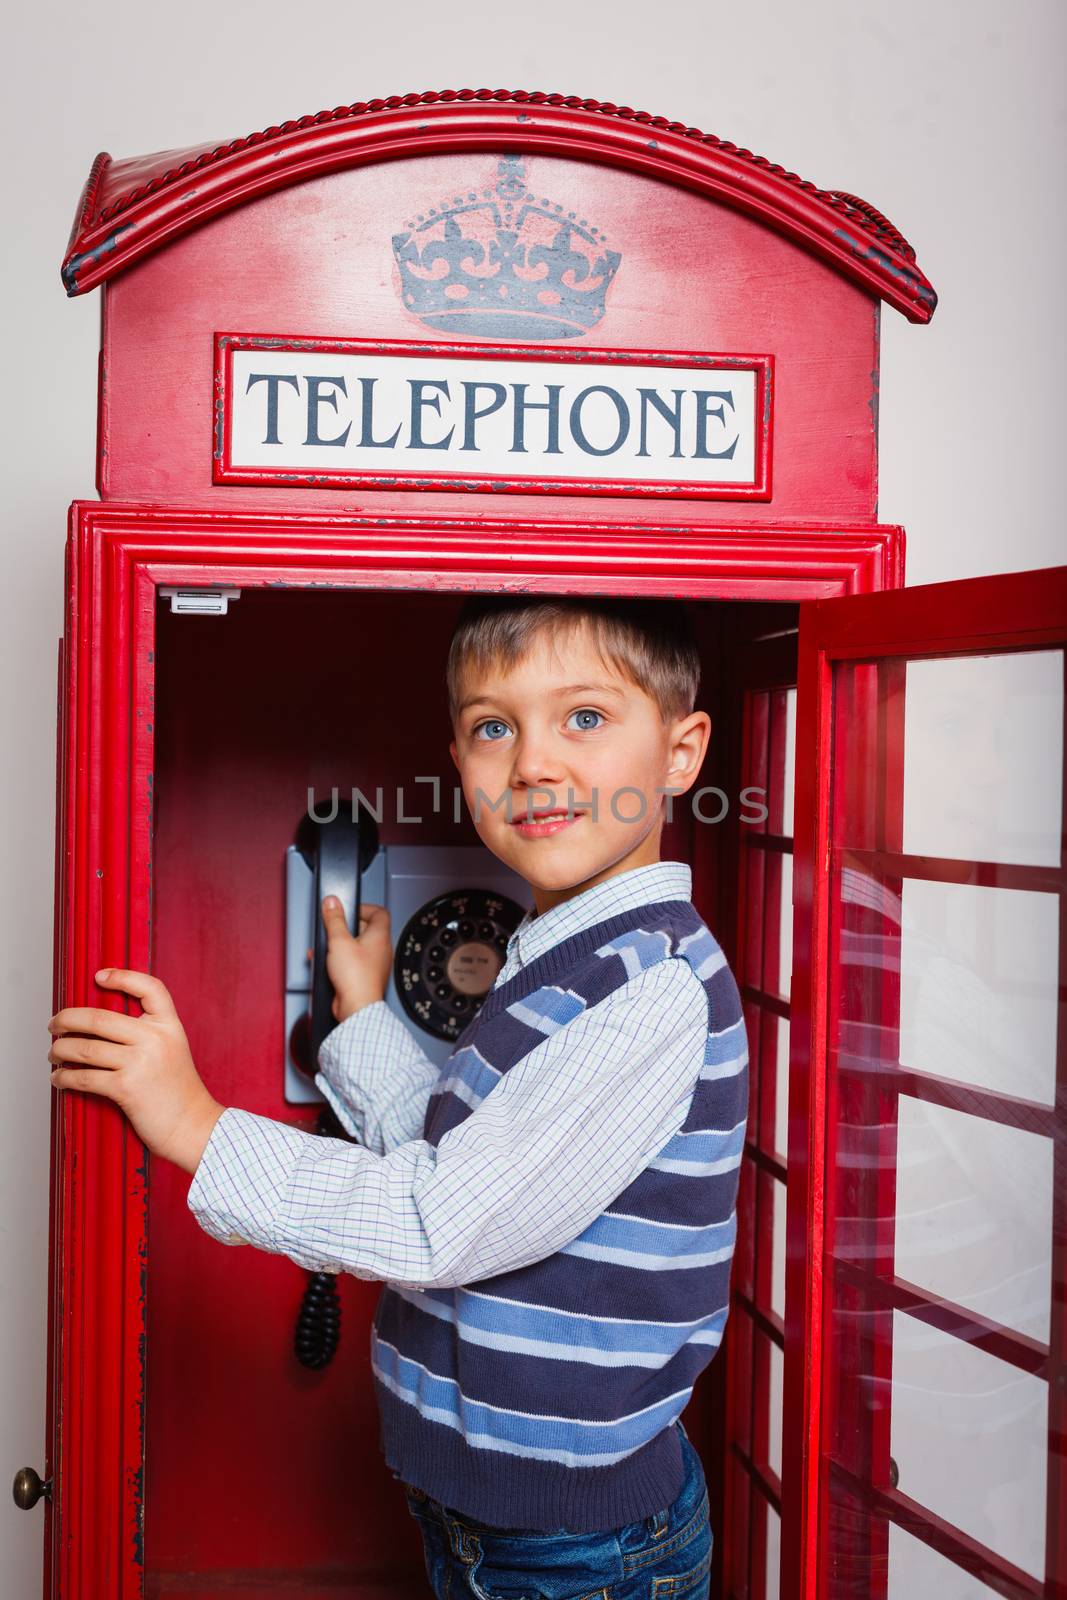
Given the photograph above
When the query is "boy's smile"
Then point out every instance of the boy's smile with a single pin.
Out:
(564, 763)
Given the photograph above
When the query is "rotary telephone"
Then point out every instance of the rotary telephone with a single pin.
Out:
(455, 906)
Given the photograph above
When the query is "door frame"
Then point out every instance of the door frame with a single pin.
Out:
(965, 616)
(116, 558)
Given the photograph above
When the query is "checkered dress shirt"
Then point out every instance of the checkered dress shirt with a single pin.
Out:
(563, 1133)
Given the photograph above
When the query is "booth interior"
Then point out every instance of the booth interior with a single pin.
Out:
(255, 1465)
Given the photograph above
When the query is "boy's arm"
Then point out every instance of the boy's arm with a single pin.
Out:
(376, 1077)
(562, 1133)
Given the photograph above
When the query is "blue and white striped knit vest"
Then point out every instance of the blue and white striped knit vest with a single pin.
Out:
(545, 1397)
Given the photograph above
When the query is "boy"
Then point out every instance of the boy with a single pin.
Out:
(552, 1212)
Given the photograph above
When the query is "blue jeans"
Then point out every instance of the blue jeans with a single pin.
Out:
(665, 1556)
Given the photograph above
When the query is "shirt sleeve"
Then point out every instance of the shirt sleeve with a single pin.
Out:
(562, 1133)
(376, 1077)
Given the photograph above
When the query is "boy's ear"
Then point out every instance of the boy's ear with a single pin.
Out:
(452, 752)
(689, 743)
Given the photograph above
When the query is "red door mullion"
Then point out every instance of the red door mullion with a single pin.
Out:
(992, 1105)
(1056, 1489)
(767, 667)
(867, 700)
(764, 1220)
(757, 1553)
(959, 869)
(892, 1506)
(772, 984)
(806, 1325)
(760, 887)
(737, 1515)
(890, 686)
(1015, 1349)
(842, 1536)
(739, 1352)
(762, 1299)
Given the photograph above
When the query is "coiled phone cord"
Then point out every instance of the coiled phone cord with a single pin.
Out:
(318, 1322)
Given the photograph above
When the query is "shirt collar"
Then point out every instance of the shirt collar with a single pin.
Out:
(659, 880)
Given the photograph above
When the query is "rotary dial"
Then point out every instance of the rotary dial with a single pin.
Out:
(448, 956)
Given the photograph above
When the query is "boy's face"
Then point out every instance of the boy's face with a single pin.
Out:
(565, 730)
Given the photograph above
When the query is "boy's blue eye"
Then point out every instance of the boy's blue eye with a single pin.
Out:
(492, 730)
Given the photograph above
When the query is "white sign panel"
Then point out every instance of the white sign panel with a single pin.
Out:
(319, 412)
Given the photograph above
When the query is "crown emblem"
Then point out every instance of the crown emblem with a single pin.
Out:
(515, 266)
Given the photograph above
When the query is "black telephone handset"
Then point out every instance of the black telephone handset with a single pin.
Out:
(338, 852)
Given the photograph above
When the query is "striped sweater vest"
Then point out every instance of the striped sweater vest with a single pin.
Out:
(545, 1397)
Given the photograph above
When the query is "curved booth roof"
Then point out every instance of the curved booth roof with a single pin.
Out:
(138, 205)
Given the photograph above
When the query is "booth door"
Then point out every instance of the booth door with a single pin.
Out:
(747, 1519)
(926, 1276)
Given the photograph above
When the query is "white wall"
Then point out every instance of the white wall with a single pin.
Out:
(946, 115)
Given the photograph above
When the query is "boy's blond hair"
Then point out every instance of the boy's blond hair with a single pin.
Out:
(649, 641)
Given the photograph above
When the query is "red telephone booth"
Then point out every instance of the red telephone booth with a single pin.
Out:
(352, 368)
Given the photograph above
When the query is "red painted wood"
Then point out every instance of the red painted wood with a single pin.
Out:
(721, 561)
(1022, 610)
(964, 616)
(1010, 1110)
(743, 1349)
(1029, 1355)
(117, 557)
(300, 1585)
(1056, 1499)
(695, 276)
(866, 799)
(807, 1132)
(98, 1205)
(187, 1450)
(949, 869)
(761, 669)
(131, 208)
(56, 1244)
(890, 1505)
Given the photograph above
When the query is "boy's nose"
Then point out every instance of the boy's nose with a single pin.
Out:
(532, 765)
(544, 790)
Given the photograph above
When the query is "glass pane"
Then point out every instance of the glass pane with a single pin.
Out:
(744, 1263)
(983, 757)
(781, 1088)
(774, 1554)
(759, 807)
(790, 759)
(757, 1022)
(785, 928)
(960, 982)
(968, 1438)
(778, 1248)
(916, 1570)
(978, 986)
(974, 1214)
(774, 1409)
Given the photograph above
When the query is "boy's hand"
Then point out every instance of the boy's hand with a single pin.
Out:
(358, 968)
(141, 1063)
